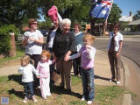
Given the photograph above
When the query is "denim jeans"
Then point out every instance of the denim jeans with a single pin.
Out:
(28, 89)
(88, 83)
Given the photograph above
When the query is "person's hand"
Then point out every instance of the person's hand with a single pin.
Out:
(67, 58)
(88, 48)
(118, 53)
(32, 39)
(38, 76)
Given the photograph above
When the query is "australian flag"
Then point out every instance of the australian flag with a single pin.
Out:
(101, 9)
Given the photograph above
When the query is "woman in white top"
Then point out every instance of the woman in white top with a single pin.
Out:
(33, 41)
(114, 50)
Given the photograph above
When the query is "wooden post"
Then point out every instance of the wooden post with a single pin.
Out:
(12, 51)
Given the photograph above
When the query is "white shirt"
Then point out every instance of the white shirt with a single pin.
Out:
(118, 38)
(52, 36)
(33, 48)
(27, 73)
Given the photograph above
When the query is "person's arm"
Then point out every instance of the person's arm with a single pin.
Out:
(20, 70)
(74, 56)
(36, 72)
(39, 41)
(91, 52)
(67, 58)
(25, 41)
(120, 47)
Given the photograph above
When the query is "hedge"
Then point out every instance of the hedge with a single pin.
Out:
(5, 38)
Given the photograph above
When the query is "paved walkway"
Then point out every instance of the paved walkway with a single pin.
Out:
(102, 69)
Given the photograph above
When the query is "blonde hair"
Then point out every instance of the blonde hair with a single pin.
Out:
(25, 59)
(46, 53)
(88, 36)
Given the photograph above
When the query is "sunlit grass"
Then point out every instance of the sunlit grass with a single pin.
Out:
(11, 86)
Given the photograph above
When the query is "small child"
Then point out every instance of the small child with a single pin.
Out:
(87, 53)
(27, 71)
(43, 68)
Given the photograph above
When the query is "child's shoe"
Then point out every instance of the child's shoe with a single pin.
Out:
(89, 102)
(44, 98)
(25, 100)
(49, 94)
(34, 99)
(118, 82)
(83, 98)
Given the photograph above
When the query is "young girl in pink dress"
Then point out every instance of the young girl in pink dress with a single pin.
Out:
(44, 73)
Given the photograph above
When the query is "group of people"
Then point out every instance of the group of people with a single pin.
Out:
(63, 50)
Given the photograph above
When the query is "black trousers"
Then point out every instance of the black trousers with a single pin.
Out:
(76, 66)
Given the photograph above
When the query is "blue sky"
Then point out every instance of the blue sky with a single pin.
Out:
(128, 5)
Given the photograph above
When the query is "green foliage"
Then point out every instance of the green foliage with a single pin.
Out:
(18, 11)
(45, 24)
(5, 38)
(137, 15)
(115, 14)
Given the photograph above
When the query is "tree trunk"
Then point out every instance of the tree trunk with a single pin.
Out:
(12, 45)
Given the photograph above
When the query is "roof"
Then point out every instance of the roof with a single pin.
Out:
(136, 22)
(126, 18)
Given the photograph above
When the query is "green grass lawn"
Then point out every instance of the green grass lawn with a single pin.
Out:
(104, 95)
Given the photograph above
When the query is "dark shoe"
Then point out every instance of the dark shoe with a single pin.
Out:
(62, 87)
(69, 91)
(112, 80)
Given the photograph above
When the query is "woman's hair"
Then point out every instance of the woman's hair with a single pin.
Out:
(31, 21)
(88, 36)
(116, 25)
(77, 24)
(25, 59)
(46, 53)
(66, 21)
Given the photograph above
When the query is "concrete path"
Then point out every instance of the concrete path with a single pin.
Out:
(102, 69)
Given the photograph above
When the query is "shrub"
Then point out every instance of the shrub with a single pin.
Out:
(5, 38)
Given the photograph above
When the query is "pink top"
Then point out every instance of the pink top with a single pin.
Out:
(44, 69)
(87, 57)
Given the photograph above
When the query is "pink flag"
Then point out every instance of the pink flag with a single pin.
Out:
(52, 12)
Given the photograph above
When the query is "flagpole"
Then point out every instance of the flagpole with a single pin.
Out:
(106, 20)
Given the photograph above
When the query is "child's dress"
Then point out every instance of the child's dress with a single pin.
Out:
(44, 73)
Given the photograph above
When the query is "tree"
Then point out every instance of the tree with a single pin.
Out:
(115, 14)
(18, 11)
(137, 15)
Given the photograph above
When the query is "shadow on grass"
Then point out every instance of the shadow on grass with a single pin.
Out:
(59, 90)
(99, 77)
(54, 89)
(16, 78)
(19, 94)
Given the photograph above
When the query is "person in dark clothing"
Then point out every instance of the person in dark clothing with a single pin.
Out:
(49, 46)
(78, 43)
(64, 46)
(114, 51)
